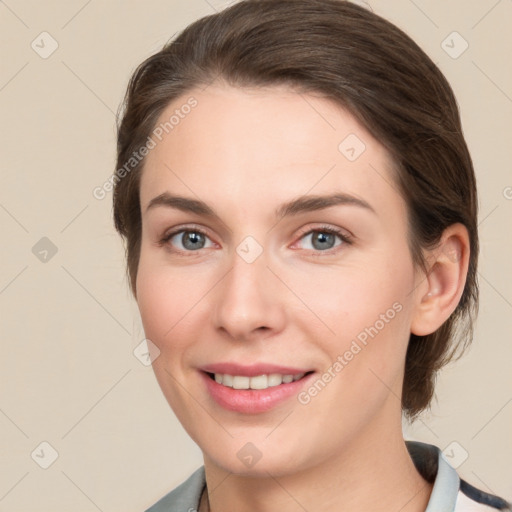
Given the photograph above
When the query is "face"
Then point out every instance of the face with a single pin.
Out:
(275, 278)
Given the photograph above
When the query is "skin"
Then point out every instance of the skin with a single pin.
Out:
(245, 152)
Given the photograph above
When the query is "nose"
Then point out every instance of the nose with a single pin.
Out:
(248, 302)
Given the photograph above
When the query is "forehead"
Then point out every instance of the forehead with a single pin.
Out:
(253, 146)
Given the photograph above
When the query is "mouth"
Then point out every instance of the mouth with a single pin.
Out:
(252, 394)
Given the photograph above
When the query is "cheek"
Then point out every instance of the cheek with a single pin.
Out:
(370, 316)
(346, 301)
(164, 298)
(365, 315)
(155, 304)
(174, 305)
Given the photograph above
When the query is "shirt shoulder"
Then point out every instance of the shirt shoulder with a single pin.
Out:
(185, 497)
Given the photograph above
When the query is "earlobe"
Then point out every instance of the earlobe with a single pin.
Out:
(442, 287)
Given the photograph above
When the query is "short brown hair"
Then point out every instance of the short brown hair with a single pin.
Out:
(367, 65)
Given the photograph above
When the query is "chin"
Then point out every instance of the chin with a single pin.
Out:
(256, 458)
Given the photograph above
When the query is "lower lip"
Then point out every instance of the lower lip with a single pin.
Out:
(252, 401)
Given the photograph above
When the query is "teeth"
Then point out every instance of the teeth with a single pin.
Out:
(227, 380)
(259, 382)
(241, 382)
(275, 379)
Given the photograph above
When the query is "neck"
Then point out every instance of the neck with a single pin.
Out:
(374, 472)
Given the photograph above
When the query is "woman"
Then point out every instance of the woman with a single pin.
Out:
(300, 213)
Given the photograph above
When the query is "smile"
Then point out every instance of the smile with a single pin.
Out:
(255, 389)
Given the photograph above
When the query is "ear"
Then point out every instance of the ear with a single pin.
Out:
(438, 293)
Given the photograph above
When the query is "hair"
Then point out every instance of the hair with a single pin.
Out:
(367, 65)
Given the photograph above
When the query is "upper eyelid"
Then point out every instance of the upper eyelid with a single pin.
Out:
(180, 229)
(302, 231)
(326, 227)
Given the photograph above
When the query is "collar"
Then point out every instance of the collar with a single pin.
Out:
(432, 466)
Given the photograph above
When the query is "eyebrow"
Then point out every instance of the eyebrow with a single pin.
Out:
(302, 204)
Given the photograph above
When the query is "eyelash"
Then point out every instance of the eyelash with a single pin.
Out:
(344, 237)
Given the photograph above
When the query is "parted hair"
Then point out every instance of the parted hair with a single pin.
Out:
(348, 54)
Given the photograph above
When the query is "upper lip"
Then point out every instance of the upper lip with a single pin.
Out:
(252, 370)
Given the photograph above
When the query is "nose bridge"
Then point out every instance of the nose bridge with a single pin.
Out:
(247, 299)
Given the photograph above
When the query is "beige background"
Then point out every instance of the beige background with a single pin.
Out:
(68, 375)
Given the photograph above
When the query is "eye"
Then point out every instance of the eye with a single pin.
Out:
(324, 239)
(187, 240)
